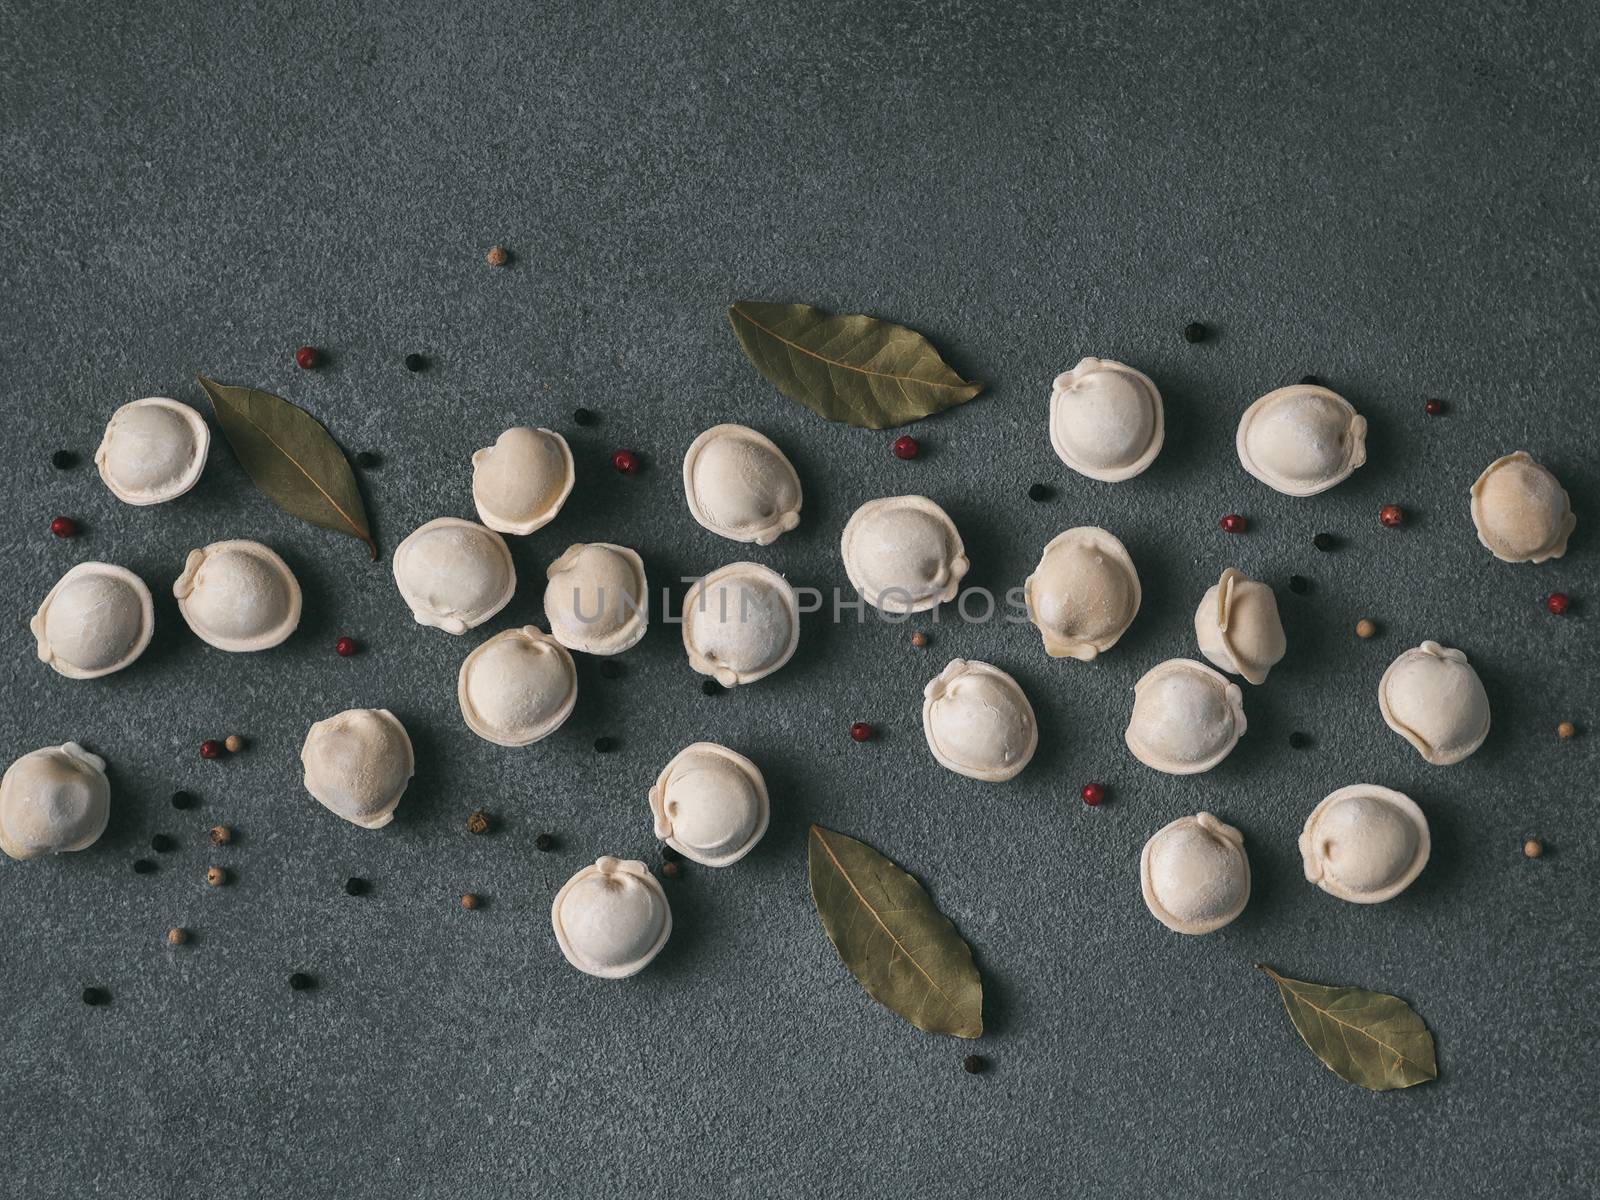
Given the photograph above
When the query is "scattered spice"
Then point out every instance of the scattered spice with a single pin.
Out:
(974, 1064)
(669, 854)
(1233, 523)
(1298, 740)
(356, 886)
(63, 460)
(1094, 795)
(1558, 603)
(177, 936)
(301, 982)
(861, 732)
(1040, 492)
(1533, 848)
(95, 995)
(545, 842)
(604, 744)
(470, 901)
(221, 835)
(1566, 730)
(1299, 584)
(162, 844)
(906, 447)
(1325, 542)
(919, 639)
(625, 462)
(1194, 332)
(345, 647)
(1391, 516)
(143, 866)
(183, 800)
(610, 668)
(478, 822)
(64, 527)
(216, 876)
(710, 687)
(234, 743)
(671, 870)
(1366, 627)
(415, 363)
(1433, 407)
(211, 748)
(308, 357)
(367, 459)
(582, 416)
(497, 256)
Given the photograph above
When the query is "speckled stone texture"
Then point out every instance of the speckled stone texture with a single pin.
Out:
(1398, 199)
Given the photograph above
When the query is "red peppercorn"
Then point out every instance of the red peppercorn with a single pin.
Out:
(211, 748)
(1433, 407)
(64, 527)
(1558, 603)
(861, 731)
(307, 357)
(1391, 515)
(1093, 794)
(1233, 523)
(906, 447)
(345, 647)
(625, 462)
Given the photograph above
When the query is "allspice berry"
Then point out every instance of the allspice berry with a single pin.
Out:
(1533, 848)
(216, 876)
(470, 901)
(234, 743)
(974, 1064)
(1366, 627)
(1566, 730)
(497, 256)
(671, 870)
(478, 822)
(177, 936)
(919, 639)
(221, 835)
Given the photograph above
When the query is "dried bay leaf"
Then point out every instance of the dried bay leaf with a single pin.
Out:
(1365, 1038)
(865, 372)
(291, 458)
(905, 952)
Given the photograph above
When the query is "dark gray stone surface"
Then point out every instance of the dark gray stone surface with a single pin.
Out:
(1400, 199)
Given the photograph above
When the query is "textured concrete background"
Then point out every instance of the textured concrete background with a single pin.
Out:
(1399, 199)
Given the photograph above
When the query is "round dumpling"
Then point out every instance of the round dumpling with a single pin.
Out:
(1106, 420)
(1194, 874)
(1365, 843)
(238, 596)
(1186, 717)
(740, 623)
(1238, 627)
(97, 619)
(978, 721)
(612, 918)
(1433, 698)
(903, 554)
(520, 483)
(710, 804)
(53, 800)
(518, 687)
(740, 485)
(1521, 511)
(596, 599)
(1084, 593)
(153, 450)
(357, 765)
(1302, 440)
(454, 574)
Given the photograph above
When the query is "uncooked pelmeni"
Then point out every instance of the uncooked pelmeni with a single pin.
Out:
(740, 623)
(520, 483)
(903, 554)
(710, 804)
(52, 800)
(1302, 440)
(1186, 717)
(1084, 593)
(1365, 843)
(454, 574)
(740, 485)
(978, 721)
(357, 764)
(97, 619)
(1521, 510)
(1106, 420)
(612, 918)
(1238, 627)
(596, 599)
(1195, 874)
(518, 687)
(238, 596)
(153, 450)
(1433, 698)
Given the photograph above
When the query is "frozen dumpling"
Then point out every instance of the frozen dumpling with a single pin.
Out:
(1105, 420)
(612, 918)
(740, 485)
(596, 600)
(52, 800)
(978, 721)
(454, 574)
(520, 483)
(97, 619)
(903, 554)
(1238, 627)
(518, 687)
(740, 623)
(153, 450)
(1302, 440)
(1186, 717)
(1433, 698)
(358, 763)
(1194, 874)
(238, 596)
(710, 804)
(1521, 511)
(1084, 593)
(1365, 843)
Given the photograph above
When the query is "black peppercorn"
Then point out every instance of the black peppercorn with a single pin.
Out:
(604, 745)
(1194, 332)
(183, 800)
(610, 668)
(1299, 584)
(368, 459)
(96, 995)
(582, 416)
(1325, 542)
(162, 844)
(63, 460)
(544, 842)
(143, 866)
(356, 886)
(974, 1064)
(416, 362)
(301, 982)
(710, 687)
(1298, 740)
(1039, 492)
(670, 855)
